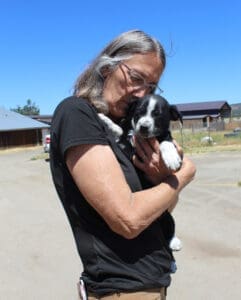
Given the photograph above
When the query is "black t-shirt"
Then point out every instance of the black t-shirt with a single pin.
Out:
(111, 263)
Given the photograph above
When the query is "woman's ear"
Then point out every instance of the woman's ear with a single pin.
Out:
(105, 71)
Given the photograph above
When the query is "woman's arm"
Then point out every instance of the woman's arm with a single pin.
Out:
(100, 179)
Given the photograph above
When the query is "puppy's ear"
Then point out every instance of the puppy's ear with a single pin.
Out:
(175, 114)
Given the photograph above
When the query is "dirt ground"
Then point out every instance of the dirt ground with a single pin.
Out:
(38, 256)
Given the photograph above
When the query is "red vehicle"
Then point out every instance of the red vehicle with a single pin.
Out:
(46, 143)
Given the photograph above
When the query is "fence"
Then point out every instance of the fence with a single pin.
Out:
(195, 126)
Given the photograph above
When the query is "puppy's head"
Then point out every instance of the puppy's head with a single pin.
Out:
(152, 115)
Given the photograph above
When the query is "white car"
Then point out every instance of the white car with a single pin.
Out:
(46, 143)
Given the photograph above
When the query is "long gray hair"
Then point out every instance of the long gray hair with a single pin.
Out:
(90, 83)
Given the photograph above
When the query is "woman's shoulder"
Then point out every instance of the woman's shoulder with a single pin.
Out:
(74, 107)
(74, 103)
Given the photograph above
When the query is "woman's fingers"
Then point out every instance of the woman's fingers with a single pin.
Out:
(140, 149)
(145, 148)
(149, 160)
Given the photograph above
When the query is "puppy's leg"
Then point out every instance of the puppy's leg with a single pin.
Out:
(116, 130)
(175, 243)
(173, 161)
(170, 155)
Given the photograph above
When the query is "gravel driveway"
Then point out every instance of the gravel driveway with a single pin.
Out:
(38, 256)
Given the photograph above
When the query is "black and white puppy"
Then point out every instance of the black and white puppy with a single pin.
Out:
(147, 117)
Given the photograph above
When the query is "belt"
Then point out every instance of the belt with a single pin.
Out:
(149, 294)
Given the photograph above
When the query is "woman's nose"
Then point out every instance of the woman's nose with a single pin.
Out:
(139, 92)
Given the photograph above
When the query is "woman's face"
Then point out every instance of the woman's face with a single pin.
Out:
(132, 78)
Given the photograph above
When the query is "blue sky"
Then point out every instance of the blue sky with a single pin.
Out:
(46, 44)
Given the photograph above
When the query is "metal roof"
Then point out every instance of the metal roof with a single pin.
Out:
(192, 117)
(47, 119)
(10, 120)
(201, 105)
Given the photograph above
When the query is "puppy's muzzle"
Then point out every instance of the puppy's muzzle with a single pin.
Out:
(144, 127)
(144, 130)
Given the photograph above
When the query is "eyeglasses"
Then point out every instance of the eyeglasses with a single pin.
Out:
(139, 82)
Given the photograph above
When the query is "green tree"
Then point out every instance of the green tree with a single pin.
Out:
(28, 109)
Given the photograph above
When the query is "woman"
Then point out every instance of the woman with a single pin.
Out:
(121, 230)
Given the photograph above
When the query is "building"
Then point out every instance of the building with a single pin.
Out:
(18, 130)
(204, 114)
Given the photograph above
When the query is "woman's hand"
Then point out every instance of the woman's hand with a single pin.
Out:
(148, 159)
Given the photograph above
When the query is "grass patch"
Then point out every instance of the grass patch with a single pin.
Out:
(192, 142)
(40, 156)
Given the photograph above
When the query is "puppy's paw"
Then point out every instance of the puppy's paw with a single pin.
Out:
(170, 156)
(175, 244)
(114, 128)
(117, 130)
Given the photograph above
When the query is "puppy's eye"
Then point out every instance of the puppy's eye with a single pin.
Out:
(155, 113)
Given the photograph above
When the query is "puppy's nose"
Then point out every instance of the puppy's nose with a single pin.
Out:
(144, 128)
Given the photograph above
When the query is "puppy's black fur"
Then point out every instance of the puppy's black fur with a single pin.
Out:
(151, 117)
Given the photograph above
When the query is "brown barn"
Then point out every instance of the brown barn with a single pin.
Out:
(18, 130)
